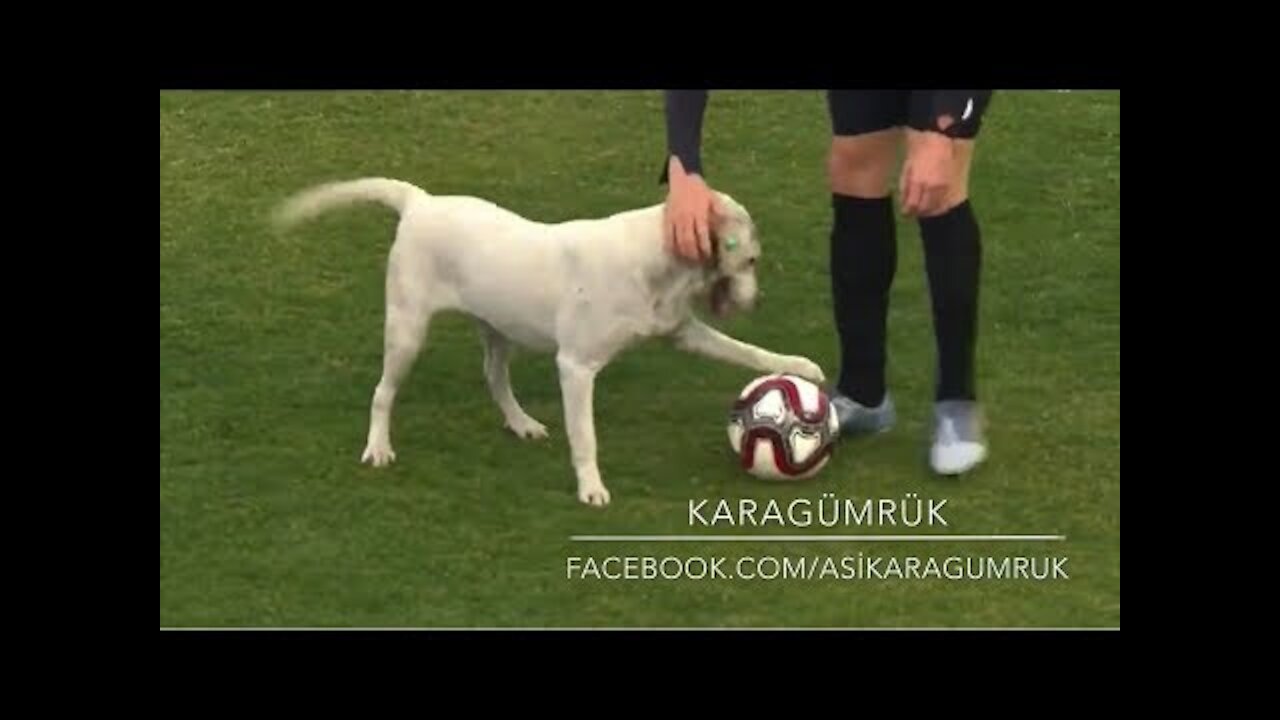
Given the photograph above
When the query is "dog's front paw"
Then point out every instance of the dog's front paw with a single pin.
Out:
(527, 428)
(378, 454)
(805, 368)
(594, 494)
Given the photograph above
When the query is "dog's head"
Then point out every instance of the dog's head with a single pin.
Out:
(735, 251)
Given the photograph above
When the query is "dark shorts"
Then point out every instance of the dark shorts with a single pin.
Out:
(857, 112)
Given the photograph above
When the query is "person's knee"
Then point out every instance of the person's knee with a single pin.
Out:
(959, 191)
(862, 166)
(957, 195)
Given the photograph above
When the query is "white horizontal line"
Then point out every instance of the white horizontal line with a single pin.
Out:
(813, 538)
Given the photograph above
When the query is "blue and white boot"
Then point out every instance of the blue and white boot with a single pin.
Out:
(858, 419)
(959, 442)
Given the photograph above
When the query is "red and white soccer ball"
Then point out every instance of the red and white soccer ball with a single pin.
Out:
(783, 427)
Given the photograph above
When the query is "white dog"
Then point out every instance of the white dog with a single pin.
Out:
(583, 289)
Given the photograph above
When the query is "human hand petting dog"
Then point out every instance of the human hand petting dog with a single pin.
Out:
(690, 208)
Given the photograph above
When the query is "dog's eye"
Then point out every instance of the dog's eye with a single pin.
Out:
(751, 262)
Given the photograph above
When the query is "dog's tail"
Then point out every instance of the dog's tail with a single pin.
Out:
(316, 200)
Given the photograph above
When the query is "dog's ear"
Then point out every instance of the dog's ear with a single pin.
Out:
(722, 238)
(729, 227)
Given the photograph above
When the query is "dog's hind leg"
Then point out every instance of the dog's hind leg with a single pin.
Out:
(497, 357)
(408, 315)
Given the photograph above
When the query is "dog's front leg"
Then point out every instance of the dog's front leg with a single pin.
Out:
(697, 337)
(577, 386)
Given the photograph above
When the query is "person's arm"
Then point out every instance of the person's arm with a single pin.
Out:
(690, 204)
(684, 112)
(954, 113)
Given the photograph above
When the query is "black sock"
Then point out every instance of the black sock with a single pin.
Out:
(864, 258)
(953, 261)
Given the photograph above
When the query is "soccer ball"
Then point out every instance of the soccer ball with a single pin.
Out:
(783, 427)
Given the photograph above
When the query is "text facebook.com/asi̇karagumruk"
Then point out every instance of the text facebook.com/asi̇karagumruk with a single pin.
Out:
(861, 566)
(829, 511)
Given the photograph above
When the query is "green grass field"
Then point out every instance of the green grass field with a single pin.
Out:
(270, 347)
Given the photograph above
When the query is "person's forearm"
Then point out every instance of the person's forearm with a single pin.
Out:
(951, 112)
(684, 112)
